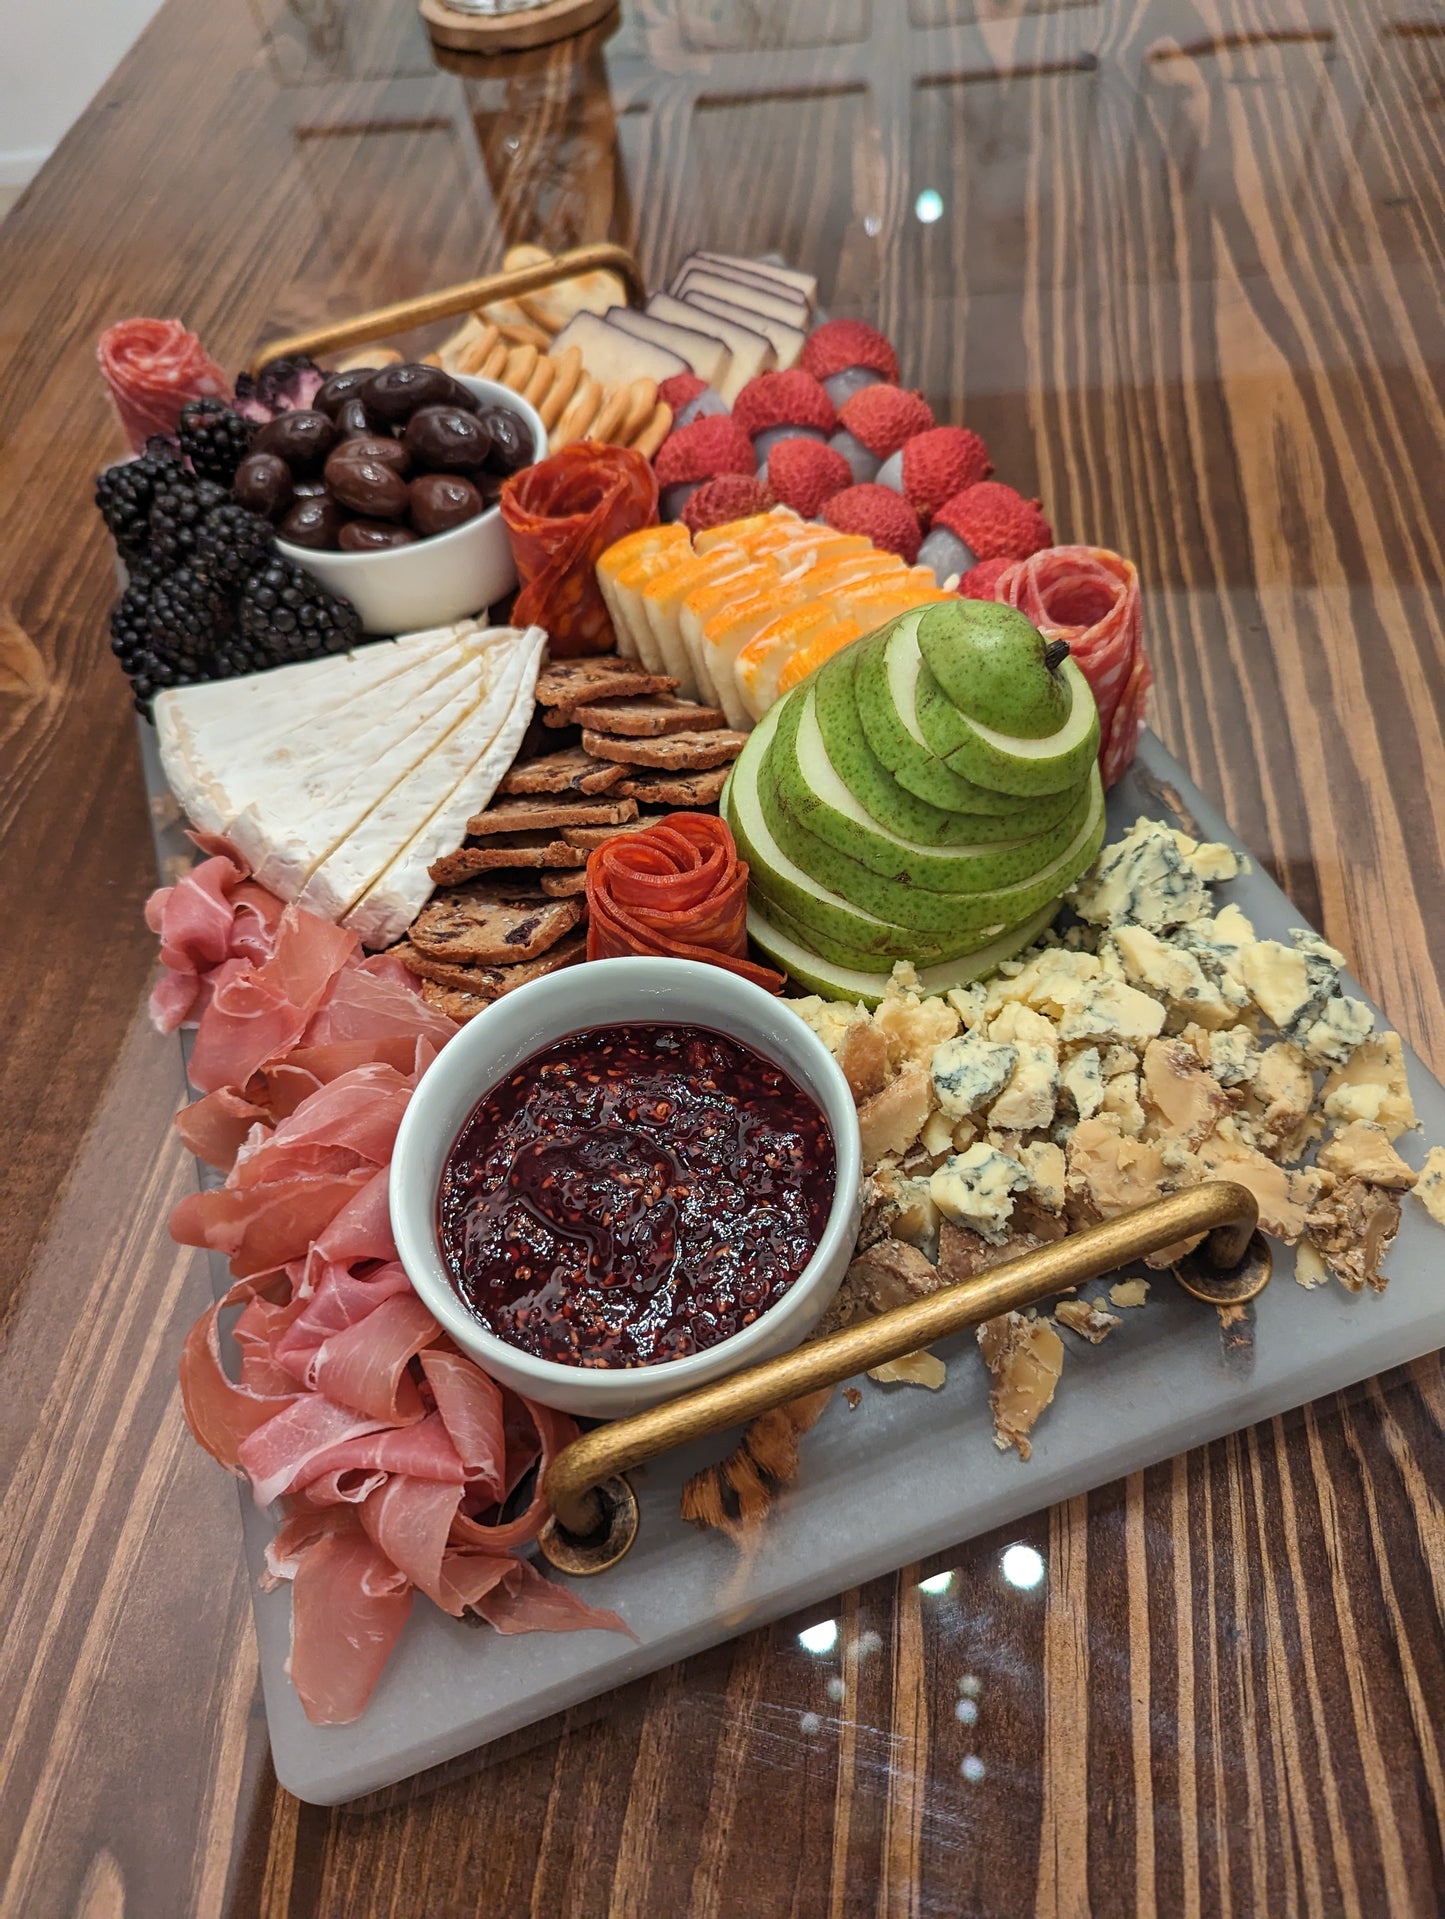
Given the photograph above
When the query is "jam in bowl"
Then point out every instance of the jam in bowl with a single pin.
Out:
(626, 1180)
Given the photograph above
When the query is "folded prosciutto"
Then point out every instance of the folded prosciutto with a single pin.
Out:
(676, 890)
(1090, 597)
(320, 1377)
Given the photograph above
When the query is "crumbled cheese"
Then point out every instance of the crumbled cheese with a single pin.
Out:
(1113, 1172)
(914, 1028)
(976, 1189)
(1129, 1292)
(1231, 1056)
(971, 1071)
(1026, 1104)
(936, 1138)
(1144, 879)
(1278, 981)
(1342, 1025)
(1118, 1059)
(1087, 1319)
(1430, 1186)
(1181, 1100)
(1121, 1104)
(911, 1369)
(1372, 1085)
(891, 1121)
(1361, 1151)
(1025, 1356)
(968, 1002)
(830, 1019)
(1309, 1269)
(1082, 1078)
(1171, 972)
(1045, 1166)
(1110, 1010)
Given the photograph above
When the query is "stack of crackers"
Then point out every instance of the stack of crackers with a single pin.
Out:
(615, 749)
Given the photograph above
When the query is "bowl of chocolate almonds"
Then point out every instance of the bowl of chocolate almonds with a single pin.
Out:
(385, 489)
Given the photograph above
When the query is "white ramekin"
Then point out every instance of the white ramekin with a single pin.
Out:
(618, 992)
(447, 577)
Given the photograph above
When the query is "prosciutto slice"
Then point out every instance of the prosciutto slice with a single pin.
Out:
(1090, 597)
(676, 890)
(152, 368)
(320, 1376)
(561, 516)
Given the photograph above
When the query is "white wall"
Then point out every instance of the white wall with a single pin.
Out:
(54, 56)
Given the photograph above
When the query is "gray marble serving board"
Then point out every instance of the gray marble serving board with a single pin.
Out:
(906, 1474)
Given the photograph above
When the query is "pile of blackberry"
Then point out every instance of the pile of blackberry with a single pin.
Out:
(208, 596)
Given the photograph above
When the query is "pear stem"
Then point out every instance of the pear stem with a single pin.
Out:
(1055, 653)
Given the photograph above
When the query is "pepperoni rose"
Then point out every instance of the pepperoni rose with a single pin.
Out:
(676, 890)
(561, 516)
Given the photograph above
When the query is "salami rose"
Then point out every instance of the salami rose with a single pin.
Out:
(561, 516)
(152, 368)
(676, 891)
(1090, 597)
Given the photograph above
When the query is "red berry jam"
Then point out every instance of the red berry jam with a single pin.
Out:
(633, 1194)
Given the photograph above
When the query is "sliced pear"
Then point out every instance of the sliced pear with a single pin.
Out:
(890, 803)
(788, 889)
(1004, 762)
(995, 667)
(884, 682)
(817, 797)
(771, 933)
(901, 902)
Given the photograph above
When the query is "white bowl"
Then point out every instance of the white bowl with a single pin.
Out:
(618, 992)
(436, 580)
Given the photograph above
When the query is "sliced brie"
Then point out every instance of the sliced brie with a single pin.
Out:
(286, 834)
(458, 780)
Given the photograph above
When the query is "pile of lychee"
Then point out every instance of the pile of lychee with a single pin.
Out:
(838, 440)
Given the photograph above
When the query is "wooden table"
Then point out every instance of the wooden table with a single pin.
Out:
(1180, 264)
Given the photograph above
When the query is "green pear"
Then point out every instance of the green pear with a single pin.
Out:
(941, 915)
(790, 948)
(883, 797)
(812, 790)
(885, 677)
(1024, 767)
(996, 668)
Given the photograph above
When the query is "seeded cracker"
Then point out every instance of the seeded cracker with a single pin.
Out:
(493, 982)
(649, 719)
(673, 789)
(569, 683)
(528, 850)
(571, 771)
(485, 925)
(676, 752)
(548, 812)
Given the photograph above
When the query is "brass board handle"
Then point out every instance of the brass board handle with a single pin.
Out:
(594, 1513)
(402, 315)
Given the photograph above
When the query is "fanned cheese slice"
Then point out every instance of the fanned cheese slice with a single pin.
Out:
(249, 705)
(381, 871)
(285, 837)
(217, 767)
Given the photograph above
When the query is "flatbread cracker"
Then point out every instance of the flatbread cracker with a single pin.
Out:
(491, 983)
(648, 719)
(570, 771)
(569, 683)
(527, 851)
(565, 885)
(587, 839)
(529, 813)
(673, 753)
(490, 924)
(675, 789)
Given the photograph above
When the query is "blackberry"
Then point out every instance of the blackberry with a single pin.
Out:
(231, 543)
(181, 503)
(215, 437)
(125, 493)
(285, 615)
(130, 627)
(189, 620)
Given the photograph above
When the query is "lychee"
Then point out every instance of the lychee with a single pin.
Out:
(888, 521)
(791, 398)
(995, 522)
(882, 418)
(839, 344)
(934, 465)
(803, 475)
(703, 450)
